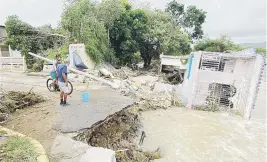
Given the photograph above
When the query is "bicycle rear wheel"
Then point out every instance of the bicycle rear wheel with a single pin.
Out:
(70, 87)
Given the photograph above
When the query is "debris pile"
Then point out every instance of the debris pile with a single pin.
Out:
(158, 100)
(148, 95)
(124, 73)
(119, 132)
(13, 100)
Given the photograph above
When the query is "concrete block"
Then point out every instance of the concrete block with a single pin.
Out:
(144, 79)
(97, 154)
(162, 87)
(67, 149)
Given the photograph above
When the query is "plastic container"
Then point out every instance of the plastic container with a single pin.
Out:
(85, 97)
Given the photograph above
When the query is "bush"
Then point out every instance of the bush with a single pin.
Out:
(217, 45)
(62, 51)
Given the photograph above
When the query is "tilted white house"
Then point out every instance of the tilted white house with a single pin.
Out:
(230, 78)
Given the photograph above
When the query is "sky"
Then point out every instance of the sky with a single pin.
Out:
(243, 20)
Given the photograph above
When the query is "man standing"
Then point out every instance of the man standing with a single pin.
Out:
(63, 82)
(53, 72)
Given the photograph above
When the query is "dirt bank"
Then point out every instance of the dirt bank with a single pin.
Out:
(119, 132)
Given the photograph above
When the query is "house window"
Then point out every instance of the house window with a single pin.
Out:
(217, 62)
(4, 51)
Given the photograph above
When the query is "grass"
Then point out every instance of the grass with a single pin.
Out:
(17, 149)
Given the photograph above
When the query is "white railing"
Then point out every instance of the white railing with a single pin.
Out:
(12, 64)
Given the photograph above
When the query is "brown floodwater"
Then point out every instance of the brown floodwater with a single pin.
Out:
(195, 136)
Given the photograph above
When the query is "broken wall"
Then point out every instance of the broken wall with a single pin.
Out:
(210, 70)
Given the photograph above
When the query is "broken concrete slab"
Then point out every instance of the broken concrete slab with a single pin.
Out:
(162, 87)
(144, 79)
(81, 115)
(65, 149)
(97, 154)
(106, 73)
(76, 78)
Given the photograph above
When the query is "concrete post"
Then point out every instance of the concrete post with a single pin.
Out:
(259, 63)
(113, 85)
(11, 63)
(24, 66)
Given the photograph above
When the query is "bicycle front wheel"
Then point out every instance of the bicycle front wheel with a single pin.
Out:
(49, 85)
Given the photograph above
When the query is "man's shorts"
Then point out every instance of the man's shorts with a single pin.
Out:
(62, 87)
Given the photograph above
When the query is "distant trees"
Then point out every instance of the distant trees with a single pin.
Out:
(221, 44)
(24, 37)
(190, 19)
(216, 45)
(114, 30)
(126, 34)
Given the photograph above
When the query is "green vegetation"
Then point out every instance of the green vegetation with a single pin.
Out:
(62, 51)
(261, 50)
(217, 45)
(24, 37)
(190, 20)
(17, 149)
(112, 31)
(221, 44)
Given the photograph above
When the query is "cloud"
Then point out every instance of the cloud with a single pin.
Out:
(239, 19)
(34, 12)
(236, 18)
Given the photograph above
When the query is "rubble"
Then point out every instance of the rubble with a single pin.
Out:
(158, 100)
(144, 79)
(106, 73)
(152, 95)
(162, 87)
(105, 65)
(124, 73)
(76, 78)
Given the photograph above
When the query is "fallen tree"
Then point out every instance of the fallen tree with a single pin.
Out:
(80, 72)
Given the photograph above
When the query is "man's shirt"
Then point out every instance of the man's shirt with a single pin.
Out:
(61, 68)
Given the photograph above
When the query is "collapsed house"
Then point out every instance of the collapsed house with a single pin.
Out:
(174, 66)
(223, 80)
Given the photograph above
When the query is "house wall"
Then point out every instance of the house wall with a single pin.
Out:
(242, 73)
(174, 62)
(4, 51)
(254, 85)
(80, 48)
(14, 53)
(187, 91)
(3, 33)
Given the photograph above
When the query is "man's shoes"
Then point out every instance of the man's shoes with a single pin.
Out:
(61, 102)
(65, 103)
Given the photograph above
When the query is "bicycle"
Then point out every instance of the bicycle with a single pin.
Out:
(55, 88)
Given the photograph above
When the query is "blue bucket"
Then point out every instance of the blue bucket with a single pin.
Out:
(85, 97)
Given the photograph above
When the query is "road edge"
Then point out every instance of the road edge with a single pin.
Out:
(38, 147)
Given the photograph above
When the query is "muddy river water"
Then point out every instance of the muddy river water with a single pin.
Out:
(195, 136)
